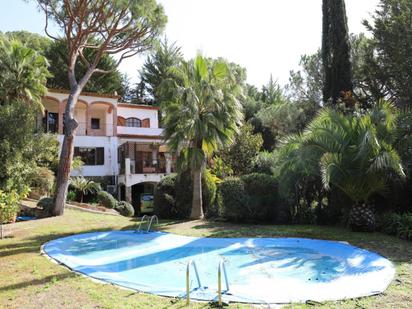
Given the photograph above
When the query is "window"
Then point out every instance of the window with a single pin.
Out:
(90, 155)
(133, 122)
(95, 123)
(51, 122)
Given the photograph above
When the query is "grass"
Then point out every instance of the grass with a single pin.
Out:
(29, 280)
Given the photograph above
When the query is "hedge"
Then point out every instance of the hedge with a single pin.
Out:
(47, 204)
(125, 209)
(184, 194)
(164, 197)
(250, 198)
(173, 196)
(234, 199)
(106, 199)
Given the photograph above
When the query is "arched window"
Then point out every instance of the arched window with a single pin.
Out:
(133, 122)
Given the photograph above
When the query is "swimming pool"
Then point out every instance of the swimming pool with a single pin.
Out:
(259, 270)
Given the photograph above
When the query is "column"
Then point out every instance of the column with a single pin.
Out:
(62, 107)
(114, 112)
(127, 168)
(154, 155)
(128, 194)
(168, 158)
(88, 126)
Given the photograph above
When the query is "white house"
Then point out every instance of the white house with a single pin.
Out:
(120, 144)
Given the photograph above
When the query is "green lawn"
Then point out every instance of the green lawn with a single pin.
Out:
(29, 280)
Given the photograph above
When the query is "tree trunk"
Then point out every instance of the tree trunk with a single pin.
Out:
(362, 218)
(66, 154)
(197, 203)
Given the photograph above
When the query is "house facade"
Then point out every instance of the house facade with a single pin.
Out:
(120, 144)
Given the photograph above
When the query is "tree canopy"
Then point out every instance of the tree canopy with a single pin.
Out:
(22, 85)
(156, 69)
(392, 41)
(56, 51)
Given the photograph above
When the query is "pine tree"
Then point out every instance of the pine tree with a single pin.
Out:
(335, 51)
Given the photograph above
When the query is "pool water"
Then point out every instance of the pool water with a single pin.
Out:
(260, 270)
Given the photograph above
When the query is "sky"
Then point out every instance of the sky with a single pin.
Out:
(264, 36)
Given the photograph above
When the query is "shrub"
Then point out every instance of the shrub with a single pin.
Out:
(9, 206)
(252, 198)
(84, 186)
(397, 224)
(47, 204)
(164, 197)
(71, 196)
(262, 196)
(125, 209)
(184, 193)
(106, 199)
(209, 189)
(42, 180)
(388, 222)
(233, 199)
(241, 154)
(265, 163)
(405, 226)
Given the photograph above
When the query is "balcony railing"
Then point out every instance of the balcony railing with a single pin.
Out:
(104, 129)
(121, 130)
(145, 167)
(149, 167)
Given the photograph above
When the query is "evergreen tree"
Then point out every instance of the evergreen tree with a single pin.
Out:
(335, 51)
(392, 41)
(156, 69)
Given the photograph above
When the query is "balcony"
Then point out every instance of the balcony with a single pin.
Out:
(94, 119)
(133, 172)
(139, 131)
(148, 167)
(82, 130)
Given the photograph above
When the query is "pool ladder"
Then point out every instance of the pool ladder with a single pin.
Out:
(221, 269)
(199, 285)
(150, 220)
(219, 281)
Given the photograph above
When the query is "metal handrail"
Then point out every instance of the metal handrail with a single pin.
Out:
(219, 280)
(141, 222)
(191, 262)
(151, 221)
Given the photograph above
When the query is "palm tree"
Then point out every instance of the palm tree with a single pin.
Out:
(353, 153)
(23, 74)
(84, 186)
(201, 117)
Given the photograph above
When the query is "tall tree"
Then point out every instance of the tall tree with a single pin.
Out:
(56, 54)
(156, 69)
(335, 51)
(201, 117)
(125, 28)
(392, 40)
(22, 84)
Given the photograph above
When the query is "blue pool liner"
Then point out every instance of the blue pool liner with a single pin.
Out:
(25, 218)
(259, 270)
